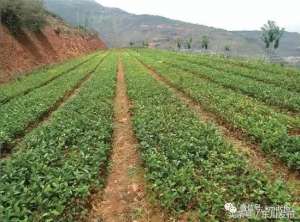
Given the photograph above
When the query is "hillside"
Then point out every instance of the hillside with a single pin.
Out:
(289, 46)
(118, 28)
(26, 50)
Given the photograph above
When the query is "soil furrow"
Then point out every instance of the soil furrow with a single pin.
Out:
(124, 198)
(271, 167)
(46, 83)
(6, 148)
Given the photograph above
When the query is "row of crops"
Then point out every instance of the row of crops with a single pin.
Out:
(269, 94)
(278, 76)
(39, 78)
(189, 165)
(260, 122)
(20, 112)
(53, 170)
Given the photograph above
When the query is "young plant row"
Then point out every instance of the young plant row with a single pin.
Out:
(22, 111)
(282, 79)
(269, 94)
(39, 78)
(256, 120)
(188, 164)
(261, 66)
(63, 160)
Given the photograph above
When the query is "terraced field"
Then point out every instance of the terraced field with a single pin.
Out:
(148, 135)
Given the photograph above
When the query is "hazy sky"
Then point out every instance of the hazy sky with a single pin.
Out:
(227, 14)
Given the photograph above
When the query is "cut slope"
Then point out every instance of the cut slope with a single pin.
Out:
(25, 50)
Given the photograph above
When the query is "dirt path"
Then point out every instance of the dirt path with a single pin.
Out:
(271, 167)
(124, 198)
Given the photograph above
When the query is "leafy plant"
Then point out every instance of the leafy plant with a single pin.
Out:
(24, 110)
(258, 121)
(188, 164)
(39, 77)
(57, 165)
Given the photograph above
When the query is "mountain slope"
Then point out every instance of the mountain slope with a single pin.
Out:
(289, 44)
(118, 28)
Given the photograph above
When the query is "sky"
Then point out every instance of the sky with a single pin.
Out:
(226, 14)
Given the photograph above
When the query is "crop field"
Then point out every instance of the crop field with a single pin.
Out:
(151, 135)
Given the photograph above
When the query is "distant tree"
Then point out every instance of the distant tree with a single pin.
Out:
(179, 44)
(227, 48)
(204, 42)
(189, 43)
(131, 44)
(271, 35)
(145, 44)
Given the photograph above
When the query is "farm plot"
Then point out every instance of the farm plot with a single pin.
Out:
(39, 78)
(285, 78)
(260, 122)
(269, 94)
(23, 112)
(188, 164)
(60, 162)
(99, 143)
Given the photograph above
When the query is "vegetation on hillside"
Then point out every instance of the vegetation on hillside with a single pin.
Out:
(118, 28)
(16, 14)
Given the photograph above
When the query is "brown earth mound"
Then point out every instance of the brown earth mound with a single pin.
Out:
(25, 51)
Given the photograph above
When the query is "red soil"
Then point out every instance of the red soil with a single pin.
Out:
(26, 50)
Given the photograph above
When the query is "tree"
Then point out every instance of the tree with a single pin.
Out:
(145, 44)
(204, 42)
(271, 35)
(227, 48)
(179, 44)
(131, 44)
(189, 43)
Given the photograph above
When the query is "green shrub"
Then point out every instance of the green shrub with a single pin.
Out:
(16, 14)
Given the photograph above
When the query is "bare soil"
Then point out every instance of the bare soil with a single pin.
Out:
(24, 51)
(124, 198)
(270, 166)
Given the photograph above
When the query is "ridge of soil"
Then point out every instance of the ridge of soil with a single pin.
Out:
(124, 198)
